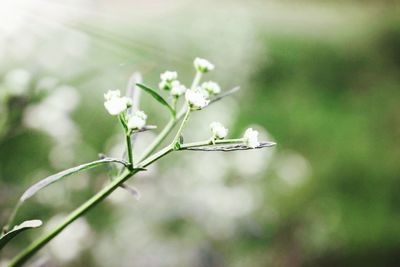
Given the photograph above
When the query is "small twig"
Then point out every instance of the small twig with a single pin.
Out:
(228, 148)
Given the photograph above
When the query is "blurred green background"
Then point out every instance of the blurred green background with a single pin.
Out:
(321, 78)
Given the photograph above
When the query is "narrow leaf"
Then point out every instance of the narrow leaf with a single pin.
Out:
(54, 178)
(156, 96)
(26, 225)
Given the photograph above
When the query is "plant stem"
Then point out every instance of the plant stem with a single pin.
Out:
(129, 149)
(180, 130)
(196, 80)
(22, 257)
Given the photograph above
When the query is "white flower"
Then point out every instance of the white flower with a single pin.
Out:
(137, 120)
(169, 76)
(177, 89)
(211, 87)
(196, 99)
(250, 138)
(115, 104)
(218, 130)
(203, 65)
(164, 85)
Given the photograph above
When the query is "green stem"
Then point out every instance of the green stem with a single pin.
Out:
(196, 80)
(129, 149)
(180, 130)
(22, 257)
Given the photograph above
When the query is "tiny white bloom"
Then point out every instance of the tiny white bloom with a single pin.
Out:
(211, 87)
(137, 120)
(196, 99)
(115, 104)
(111, 94)
(177, 89)
(203, 65)
(218, 130)
(251, 138)
(169, 76)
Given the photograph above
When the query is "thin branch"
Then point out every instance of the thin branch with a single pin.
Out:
(228, 148)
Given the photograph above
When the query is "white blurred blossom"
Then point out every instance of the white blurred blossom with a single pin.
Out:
(67, 245)
(17, 81)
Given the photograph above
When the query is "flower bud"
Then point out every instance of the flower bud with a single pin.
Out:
(196, 99)
(169, 76)
(211, 87)
(203, 65)
(250, 138)
(177, 89)
(115, 104)
(218, 130)
(137, 120)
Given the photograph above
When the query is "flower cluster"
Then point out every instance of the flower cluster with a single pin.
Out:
(133, 121)
(211, 88)
(197, 97)
(166, 80)
(203, 65)
(117, 105)
(137, 120)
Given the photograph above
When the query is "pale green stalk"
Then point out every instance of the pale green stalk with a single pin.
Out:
(180, 130)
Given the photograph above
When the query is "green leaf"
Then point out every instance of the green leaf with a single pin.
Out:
(26, 225)
(54, 178)
(157, 97)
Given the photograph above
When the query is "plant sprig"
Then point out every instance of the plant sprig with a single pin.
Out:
(133, 121)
